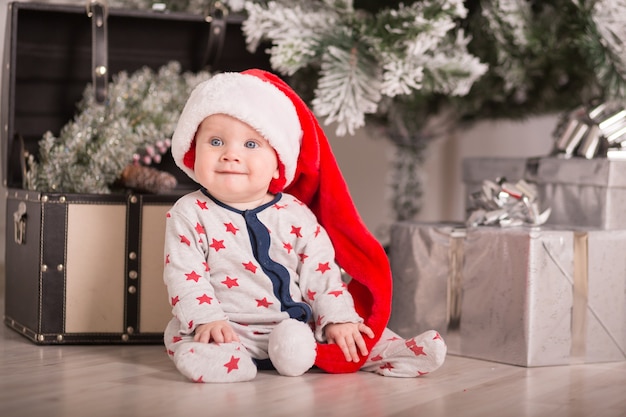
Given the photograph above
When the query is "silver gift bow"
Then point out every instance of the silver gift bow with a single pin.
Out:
(506, 204)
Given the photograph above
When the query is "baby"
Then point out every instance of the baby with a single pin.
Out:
(252, 258)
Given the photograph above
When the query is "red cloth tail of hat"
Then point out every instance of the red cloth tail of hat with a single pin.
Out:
(319, 184)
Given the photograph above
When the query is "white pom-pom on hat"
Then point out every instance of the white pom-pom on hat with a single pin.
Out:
(292, 347)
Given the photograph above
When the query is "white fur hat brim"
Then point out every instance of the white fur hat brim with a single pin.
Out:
(250, 99)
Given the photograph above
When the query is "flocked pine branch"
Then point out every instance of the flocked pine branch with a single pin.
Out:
(296, 30)
(348, 88)
(360, 57)
(509, 22)
(93, 149)
(423, 52)
(608, 32)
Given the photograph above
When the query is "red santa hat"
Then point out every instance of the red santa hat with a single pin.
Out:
(310, 172)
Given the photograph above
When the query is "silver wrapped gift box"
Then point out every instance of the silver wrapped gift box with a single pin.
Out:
(523, 296)
(584, 192)
(580, 192)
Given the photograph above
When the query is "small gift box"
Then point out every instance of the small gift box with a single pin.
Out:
(529, 296)
(584, 192)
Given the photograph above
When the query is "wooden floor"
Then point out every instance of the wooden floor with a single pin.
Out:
(120, 381)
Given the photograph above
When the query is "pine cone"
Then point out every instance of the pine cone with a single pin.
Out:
(152, 180)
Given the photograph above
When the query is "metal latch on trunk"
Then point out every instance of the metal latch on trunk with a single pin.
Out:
(19, 224)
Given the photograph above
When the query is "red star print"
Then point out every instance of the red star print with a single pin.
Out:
(231, 228)
(183, 239)
(190, 324)
(318, 230)
(200, 229)
(204, 299)
(288, 247)
(170, 352)
(176, 339)
(278, 206)
(263, 302)
(167, 259)
(311, 295)
(296, 231)
(192, 276)
(230, 282)
(250, 267)
(376, 358)
(206, 267)
(336, 293)
(392, 338)
(303, 256)
(217, 245)
(420, 373)
(198, 380)
(295, 200)
(319, 320)
(168, 215)
(202, 205)
(417, 350)
(323, 267)
(175, 301)
(387, 365)
(232, 364)
(437, 336)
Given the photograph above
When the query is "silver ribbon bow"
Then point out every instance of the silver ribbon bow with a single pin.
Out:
(506, 204)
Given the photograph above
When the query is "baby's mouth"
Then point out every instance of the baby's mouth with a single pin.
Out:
(230, 172)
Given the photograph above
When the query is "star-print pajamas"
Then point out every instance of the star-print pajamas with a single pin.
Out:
(256, 268)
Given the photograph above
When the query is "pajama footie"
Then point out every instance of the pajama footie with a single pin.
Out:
(395, 356)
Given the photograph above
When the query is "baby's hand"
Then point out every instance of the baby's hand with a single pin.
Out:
(348, 337)
(219, 331)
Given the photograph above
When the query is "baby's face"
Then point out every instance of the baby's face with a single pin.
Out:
(233, 161)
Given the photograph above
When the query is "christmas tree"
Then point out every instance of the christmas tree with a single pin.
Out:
(414, 71)
(419, 70)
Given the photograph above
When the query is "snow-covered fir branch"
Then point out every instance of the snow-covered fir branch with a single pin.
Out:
(609, 17)
(509, 22)
(357, 65)
(346, 90)
(295, 31)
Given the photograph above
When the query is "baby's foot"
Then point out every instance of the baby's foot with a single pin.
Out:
(212, 362)
(420, 355)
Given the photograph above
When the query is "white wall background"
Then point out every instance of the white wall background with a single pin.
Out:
(365, 162)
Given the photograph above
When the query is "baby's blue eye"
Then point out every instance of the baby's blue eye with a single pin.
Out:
(216, 142)
(251, 144)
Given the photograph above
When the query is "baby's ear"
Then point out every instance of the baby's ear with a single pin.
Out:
(279, 180)
(189, 159)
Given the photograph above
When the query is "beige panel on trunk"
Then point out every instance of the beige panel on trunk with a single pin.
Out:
(154, 308)
(94, 294)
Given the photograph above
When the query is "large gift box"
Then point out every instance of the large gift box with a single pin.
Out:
(524, 296)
